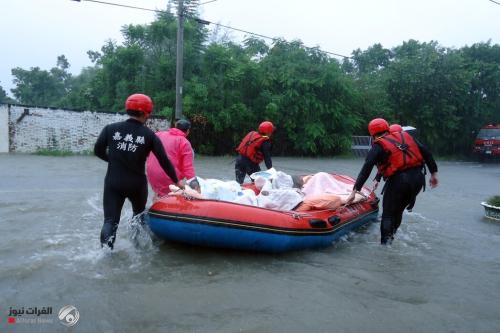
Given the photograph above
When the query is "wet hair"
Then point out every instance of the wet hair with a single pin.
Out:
(134, 113)
(183, 125)
(298, 181)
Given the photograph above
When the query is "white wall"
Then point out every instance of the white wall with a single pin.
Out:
(4, 129)
(32, 129)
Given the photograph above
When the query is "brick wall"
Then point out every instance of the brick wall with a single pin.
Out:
(30, 129)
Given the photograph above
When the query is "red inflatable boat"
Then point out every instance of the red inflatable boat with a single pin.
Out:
(229, 225)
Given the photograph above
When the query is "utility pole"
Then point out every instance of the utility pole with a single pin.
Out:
(180, 56)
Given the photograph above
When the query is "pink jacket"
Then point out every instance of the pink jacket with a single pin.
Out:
(179, 152)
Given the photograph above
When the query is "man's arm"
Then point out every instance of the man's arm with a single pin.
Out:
(187, 167)
(374, 156)
(376, 180)
(428, 158)
(265, 148)
(430, 162)
(101, 145)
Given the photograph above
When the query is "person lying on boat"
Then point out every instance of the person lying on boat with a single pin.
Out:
(266, 196)
(278, 190)
(323, 191)
(320, 190)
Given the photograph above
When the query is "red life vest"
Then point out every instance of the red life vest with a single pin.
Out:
(403, 153)
(250, 146)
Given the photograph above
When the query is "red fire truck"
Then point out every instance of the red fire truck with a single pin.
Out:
(487, 143)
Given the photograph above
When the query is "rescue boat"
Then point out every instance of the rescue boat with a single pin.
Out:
(228, 225)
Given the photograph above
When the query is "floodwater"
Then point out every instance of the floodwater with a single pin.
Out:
(442, 273)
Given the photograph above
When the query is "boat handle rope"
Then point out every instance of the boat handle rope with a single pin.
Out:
(295, 215)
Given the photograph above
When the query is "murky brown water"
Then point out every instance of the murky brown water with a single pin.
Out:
(442, 274)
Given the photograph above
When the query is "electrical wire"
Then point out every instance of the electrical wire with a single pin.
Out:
(263, 36)
(121, 5)
(209, 22)
(498, 3)
(204, 3)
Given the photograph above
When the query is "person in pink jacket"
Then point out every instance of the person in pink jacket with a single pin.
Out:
(180, 154)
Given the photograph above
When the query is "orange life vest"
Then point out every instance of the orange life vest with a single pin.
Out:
(403, 153)
(250, 146)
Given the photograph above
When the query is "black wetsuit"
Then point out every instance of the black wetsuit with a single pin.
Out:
(244, 166)
(400, 189)
(125, 146)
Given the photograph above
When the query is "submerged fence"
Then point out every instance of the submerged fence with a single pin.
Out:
(361, 145)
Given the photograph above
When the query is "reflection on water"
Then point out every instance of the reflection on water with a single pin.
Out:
(439, 275)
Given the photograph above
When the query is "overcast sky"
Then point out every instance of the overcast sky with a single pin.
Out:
(35, 32)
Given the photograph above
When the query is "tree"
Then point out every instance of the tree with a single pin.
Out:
(3, 96)
(41, 87)
(221, 97)
(374, 59)
(316, 102)
(429, 89)
(146, 63)
(369, 70)
(483, 60)
(307, 95)
(81, 95)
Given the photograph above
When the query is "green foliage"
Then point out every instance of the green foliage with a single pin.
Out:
(447, 94)
(41, 87)
(369, 71)
(494, 201)
(316, 102)
(52, 152)
(3, 96)
(82, 94)
(311, 101)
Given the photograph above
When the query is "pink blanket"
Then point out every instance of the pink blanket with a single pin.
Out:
(323, 191)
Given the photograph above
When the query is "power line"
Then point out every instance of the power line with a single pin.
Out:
(498, 3)
(263, 36)
(204, 3)
(121, 5)
(208, 22)
(133, 7)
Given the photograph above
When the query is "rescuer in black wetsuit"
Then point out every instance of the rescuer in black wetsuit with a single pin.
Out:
(400, 160)
(253, 149)
(125, 146)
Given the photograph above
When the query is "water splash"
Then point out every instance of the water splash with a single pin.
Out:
(94, 203)
(419, 216)
(76, 244)
(139, 233)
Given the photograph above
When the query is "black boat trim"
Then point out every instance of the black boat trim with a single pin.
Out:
(258, 227)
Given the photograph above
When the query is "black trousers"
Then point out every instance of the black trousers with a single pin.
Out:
(243, 167)
(400, 192)
(113, 200)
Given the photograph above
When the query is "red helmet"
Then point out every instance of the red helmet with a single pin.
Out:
(266, 127)
(139, 102)
(378, 125)
(395, 128)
